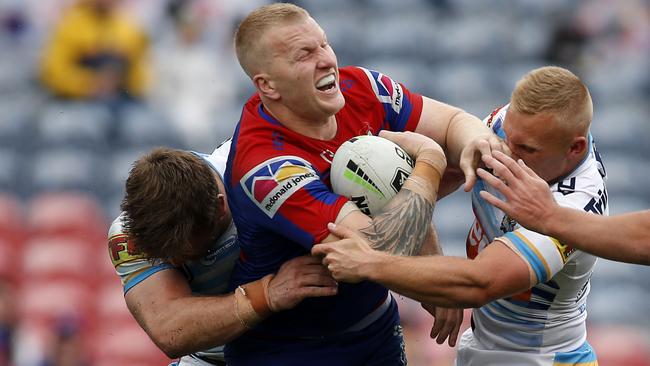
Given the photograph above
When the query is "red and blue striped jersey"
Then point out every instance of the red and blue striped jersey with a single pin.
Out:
(280, 195)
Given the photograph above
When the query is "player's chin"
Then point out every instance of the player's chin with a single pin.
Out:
(332, 103)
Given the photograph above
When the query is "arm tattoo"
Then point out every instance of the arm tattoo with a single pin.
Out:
(401, 227)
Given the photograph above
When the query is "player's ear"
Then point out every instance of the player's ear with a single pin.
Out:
(265, 86)
(221, 204)
(578, 146)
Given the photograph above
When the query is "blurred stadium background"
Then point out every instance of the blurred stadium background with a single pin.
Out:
(63, 160)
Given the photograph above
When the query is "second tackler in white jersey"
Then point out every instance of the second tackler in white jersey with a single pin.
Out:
(546, 324)
(206, 276)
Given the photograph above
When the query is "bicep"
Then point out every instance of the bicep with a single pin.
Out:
(435, 119)
(351, 218)
(506, 272)
(149, 298)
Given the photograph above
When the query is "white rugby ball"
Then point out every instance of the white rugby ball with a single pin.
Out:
(369, 170)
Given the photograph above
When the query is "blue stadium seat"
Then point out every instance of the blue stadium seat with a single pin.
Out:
(17, 120)
(140, 126)
(63, 168)
(85, 125)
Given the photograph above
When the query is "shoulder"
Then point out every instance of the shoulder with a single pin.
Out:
(357, 77)
(583, 189)
(495, 119)
(120, 247)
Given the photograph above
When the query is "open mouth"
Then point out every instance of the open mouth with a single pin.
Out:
(326, 83)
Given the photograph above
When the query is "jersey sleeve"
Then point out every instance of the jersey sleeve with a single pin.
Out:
(402, 108)
(495, 120)
(285, 195)
(131, 267)
(545, 255)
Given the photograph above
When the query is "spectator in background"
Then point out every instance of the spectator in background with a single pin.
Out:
(96, 52)
(66, 348)
(7, 322)
(192, 81)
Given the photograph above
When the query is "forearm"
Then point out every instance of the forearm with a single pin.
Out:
(431, 244)
(463, 129)
(191, 324)
(438, 280)
(624, 238)
(403, 227)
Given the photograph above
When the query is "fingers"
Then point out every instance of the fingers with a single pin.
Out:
(341, 231)
(494, 201)
(470, 180)
(387, 134)
(497, 144)
(321, 249)
(485, 147)
(399, 138)
(469, 160)
(527, 169)
(495, 182)
(498, 168)
(468, 166)
(447, 328)
(453, 336)
(446, 325)
(507, 165)
(318, 291)
(439, 319)
(303, 260)
(317, 280)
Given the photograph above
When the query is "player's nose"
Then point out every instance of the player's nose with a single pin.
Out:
(326, 59)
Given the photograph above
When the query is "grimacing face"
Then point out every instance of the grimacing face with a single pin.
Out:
(539, 142)
(304, 70)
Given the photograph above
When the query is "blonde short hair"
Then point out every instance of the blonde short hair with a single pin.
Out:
(253, 27)
(556, 90)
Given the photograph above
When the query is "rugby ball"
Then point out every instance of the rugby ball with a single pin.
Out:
(369, 170)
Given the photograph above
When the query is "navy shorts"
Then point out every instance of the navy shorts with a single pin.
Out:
(381, 343)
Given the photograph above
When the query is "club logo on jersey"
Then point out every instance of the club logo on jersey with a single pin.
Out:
(271, 183)
(508, 224)
(327, 155)
(121, 249)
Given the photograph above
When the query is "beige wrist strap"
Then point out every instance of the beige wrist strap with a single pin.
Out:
(244, 311)
(426, 176)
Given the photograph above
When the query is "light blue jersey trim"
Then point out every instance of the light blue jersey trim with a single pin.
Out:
(146, 274)
(583, 355)
(530, 256)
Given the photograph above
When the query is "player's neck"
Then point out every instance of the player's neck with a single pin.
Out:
(320, 129)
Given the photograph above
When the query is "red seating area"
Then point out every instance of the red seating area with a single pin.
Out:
(62, 291)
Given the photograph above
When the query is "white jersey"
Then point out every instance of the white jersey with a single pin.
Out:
(546, 324)
(207, 276)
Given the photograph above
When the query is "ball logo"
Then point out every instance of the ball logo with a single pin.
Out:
(272, 182)
(398, 180)
(355, 174)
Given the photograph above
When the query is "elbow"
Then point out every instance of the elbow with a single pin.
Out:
(478, 297)
(168, 343)
(478, 292)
